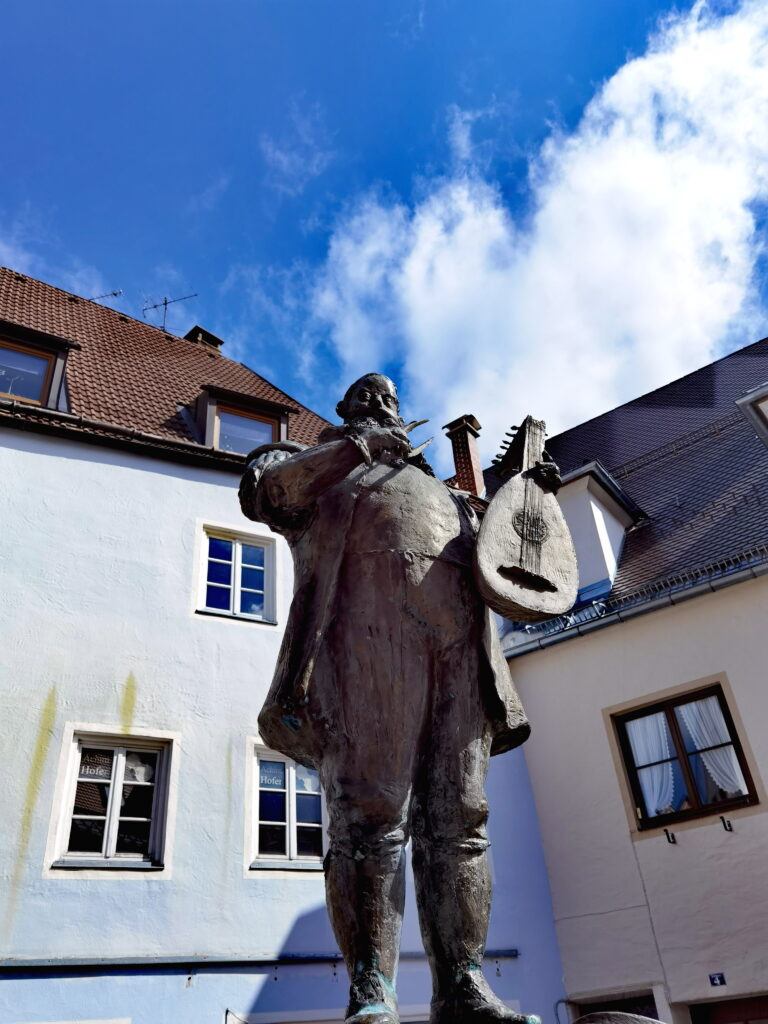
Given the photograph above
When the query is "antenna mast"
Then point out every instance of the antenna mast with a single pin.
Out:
(165, 303)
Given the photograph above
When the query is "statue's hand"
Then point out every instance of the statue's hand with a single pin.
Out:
(547, 475)
(389, 439)
(260, 463)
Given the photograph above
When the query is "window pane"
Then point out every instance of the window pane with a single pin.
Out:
(96, 764)
(272, 774)
(307, 779)
(220, 572)
(86, 836)
(649, 739)
(271, 806)
(140, 766)
(242, 434)
(133, 837)
(91, 798)
(702, 724)
(252, 579)
(272, 839)
(251, 604)
(309, 842)
(22, 374)
(308, 808)
(137, 801)
(664, 789)
(718, 775)
(218, 548)
(253, 555)
(218, 597)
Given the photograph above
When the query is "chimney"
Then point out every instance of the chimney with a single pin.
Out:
(466, 458)
(199, 336)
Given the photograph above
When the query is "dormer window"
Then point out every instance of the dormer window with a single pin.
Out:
(754, 406)
(25, 373)
(241, 432)
(235, 422)
(32, 366)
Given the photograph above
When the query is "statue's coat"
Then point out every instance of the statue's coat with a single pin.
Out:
(300, 497)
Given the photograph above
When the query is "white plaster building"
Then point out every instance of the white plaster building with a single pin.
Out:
(648, 704)
(158, 866)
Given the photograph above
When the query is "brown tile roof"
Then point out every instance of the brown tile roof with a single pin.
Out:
(130, 374)
(688, 457)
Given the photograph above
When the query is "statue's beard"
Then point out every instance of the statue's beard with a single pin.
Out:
(376, 419)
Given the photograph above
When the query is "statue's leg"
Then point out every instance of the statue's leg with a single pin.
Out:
(453, 885)
(369, 702)
(365, 890)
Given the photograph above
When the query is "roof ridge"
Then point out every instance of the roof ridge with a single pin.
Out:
(661, 387)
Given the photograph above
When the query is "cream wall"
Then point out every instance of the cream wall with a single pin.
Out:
(632, 911)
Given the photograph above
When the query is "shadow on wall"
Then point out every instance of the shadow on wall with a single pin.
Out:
(306, 985)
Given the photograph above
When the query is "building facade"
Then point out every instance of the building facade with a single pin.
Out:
(648, 702)
(159, 864)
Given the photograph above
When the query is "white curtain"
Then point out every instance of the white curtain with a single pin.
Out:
(704, 721)
(649, 739)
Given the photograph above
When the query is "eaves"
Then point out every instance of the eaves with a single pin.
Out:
(20, 416)
(748, 565)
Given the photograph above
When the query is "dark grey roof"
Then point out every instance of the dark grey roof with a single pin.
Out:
(690, 460)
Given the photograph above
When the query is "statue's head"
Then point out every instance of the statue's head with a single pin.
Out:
(372, 397)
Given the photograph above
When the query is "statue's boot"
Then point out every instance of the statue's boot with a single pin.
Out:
(453, 890)
(365, 895)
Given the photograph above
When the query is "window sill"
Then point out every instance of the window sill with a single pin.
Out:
(714, 811)
(286, 865)
(107, 865)
(235, 618)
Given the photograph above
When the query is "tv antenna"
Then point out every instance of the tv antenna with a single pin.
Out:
(106, 295)
(165, 303)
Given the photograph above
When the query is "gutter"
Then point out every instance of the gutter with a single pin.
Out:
(642, 607)
(85, 966)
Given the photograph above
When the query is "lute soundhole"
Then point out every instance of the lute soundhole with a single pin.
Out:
(530, 526)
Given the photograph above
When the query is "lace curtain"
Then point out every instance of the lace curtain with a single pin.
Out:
(706, 725)
(649, 740)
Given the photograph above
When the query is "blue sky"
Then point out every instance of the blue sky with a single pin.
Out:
(513, 208)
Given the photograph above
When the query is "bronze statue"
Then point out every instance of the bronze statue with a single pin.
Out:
(391, 681)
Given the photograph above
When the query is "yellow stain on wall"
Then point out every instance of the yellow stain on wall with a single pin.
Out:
(128, 703)
(34, 781)
(227, 807)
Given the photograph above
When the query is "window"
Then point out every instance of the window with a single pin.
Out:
(242, 432)
(683, 759)
(288, 813)
(25, 373)
(116, 803)
(238, 577)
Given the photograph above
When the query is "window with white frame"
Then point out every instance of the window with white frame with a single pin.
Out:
(288, 813)
(238, 576)
(116, 803)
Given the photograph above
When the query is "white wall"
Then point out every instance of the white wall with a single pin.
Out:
(633, 911)
(99, 567)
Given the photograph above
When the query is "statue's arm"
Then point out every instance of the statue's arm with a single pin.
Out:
(297, 482)
(279, 487)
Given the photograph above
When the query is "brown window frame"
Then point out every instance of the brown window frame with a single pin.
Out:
(699, 810)
(246, 415)
(41, 353)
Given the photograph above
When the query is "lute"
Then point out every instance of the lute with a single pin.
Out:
(525, 563)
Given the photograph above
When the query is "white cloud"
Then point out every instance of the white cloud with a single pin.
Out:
(207, 200)
(634, 265)
(302, 153)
